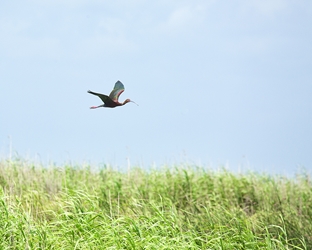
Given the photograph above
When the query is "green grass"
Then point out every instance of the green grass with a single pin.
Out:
(73, 207)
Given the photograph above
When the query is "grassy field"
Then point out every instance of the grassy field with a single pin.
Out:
(73, 207)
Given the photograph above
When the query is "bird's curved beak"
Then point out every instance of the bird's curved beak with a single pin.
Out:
(135, 103)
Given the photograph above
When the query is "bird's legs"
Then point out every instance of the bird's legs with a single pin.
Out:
(95, 107)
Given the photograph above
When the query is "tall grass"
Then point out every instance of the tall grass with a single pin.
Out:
(72, 207)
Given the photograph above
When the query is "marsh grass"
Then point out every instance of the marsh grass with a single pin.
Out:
(72, 207)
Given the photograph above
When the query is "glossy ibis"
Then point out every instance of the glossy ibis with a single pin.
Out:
(111, 101)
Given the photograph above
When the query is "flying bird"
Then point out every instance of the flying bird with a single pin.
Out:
(111, 101)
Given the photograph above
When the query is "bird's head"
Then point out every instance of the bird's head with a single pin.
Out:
(128, 100)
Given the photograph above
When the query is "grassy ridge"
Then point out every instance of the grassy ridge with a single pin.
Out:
(72, 207)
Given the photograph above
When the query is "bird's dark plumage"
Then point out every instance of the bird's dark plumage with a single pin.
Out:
(106, 99)
(111, 101)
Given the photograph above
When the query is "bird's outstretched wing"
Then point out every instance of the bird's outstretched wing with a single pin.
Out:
(118, 89)
(106, 99)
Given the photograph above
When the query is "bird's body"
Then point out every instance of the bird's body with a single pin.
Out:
(111, 101)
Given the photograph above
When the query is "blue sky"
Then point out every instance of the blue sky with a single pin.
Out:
(218, 83)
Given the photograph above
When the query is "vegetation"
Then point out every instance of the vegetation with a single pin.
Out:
(75, 207)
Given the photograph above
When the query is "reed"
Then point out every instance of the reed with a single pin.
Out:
(73, 207)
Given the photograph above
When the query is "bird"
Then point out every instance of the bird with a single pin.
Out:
(111, 101)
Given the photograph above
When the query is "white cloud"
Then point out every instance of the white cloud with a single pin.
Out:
(16, 41)
(19, 46)
(180, 17)
(268, 7)
(8, 27)
(112, 26)
(249, 45)
(77, 3)
(64, 2)
(103, 44)
(108, 37)
(184, 17)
